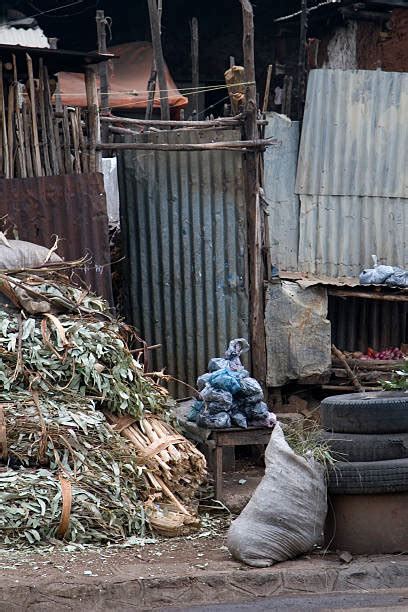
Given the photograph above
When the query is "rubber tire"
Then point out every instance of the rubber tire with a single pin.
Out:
(366, 413)
(366, 447)
(368, 477)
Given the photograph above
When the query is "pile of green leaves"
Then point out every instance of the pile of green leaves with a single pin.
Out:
(59, 369)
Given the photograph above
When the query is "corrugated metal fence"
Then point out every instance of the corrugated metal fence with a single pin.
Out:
(184, 224)
(71, 206)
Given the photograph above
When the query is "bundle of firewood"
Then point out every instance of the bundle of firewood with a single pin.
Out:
(174, 467)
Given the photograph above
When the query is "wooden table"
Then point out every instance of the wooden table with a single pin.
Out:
(220, 438)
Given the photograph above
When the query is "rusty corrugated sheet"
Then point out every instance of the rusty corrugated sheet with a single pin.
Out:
(70, 206)
(184, 224)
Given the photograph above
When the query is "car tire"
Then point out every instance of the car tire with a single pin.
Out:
(366, 447)
(366, 413)
(362, 477)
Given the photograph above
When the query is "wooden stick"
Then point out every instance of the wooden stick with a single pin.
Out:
(49, 122)
(57, 138)
(159, 59)
(66, 142)
(103, 68)
(386, 297)
(82, 144)
(353, 377)
(227, 121)
(44, 130)
(37, 156)
(18, 123)
(3, 126)
(10, 131)
(75, 140)
(302, 58)
(93, 119)
(195, 76)
(27, 137)
(209, 146)
(267, 89)
(171, 496)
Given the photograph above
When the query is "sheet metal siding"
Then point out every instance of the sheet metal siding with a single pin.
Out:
(73, 207)
(279, 186)
(340, 233)
(354, 134)
(184, 222)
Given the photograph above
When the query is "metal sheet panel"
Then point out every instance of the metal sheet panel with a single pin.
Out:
(354, 134)
(279, 187)
(24, 37)
(339, 234)
(184, 223)
(71, 206)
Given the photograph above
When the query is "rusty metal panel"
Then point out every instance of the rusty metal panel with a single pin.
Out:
(354, 134)
(184, 224)
(71, 206)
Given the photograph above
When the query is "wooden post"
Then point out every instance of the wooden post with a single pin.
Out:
(267, 89)
(254, 220)
(94, 125)
(37, 156)
(3, 126)
(195, 75)
(103, 70)
(302, 59)
(159, 59)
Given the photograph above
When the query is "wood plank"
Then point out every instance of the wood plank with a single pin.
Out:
(75, 141)
(103, 69)
(43, 123)
(366, 295)
(37, 155)
(93, 120)
(66, 142)
(222, 121)
(82, 143)
(218, 472)
(195, 75)
(3, 126)
(10, 131)
(49, 114)
(27, 137)
(208, 146)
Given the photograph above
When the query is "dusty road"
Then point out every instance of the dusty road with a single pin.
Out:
(363, 602)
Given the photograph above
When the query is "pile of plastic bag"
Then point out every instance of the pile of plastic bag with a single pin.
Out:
(393, 276)
(229, 396)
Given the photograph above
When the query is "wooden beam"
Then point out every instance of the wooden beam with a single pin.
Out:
(159, 59)
(37, 156)
(208, 146)
(267, 89)
(301, 84)
(256, 273)
(222, 121)
(195, 75)
(386, 297)
(103, 68)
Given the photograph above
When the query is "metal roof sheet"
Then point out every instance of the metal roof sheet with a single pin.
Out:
(25, 37)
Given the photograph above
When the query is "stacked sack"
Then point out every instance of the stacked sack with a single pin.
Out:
(229, 396)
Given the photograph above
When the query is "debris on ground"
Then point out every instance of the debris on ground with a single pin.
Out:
(88, 450)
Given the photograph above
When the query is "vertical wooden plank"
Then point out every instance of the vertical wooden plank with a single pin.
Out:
(37, 156)
(82, 143)
(254, 214)
(66, 142)
(49, 114)
(18, 123)
(75, 141)
(27, 137)
(218, 472)
(159, 59)
(57, 136)
(94, 128)
(10, 131)
(195, 74)
(3, 127)
(267, 89)
(44, 131)
(302, 59)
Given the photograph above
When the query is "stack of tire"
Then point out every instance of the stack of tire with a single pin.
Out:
(368, 437)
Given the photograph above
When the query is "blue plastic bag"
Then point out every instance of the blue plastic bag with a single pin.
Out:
(226, 380)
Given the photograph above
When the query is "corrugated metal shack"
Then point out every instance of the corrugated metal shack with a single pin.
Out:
(345, 202)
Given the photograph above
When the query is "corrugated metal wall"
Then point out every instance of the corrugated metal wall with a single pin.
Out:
(71, 206)
(184, 224)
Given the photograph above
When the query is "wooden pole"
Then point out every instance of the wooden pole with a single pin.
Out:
(37, 155)
(195, 75)
(3, 127)
(103, 69)
(353, 377)
(267, 89)
(44, 129)
(94, 126)
(159, 59)
(254, 220)
(302, 58)
(204, 146)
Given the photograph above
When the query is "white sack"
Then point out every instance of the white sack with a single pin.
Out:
(21, 254)
(285, 516)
